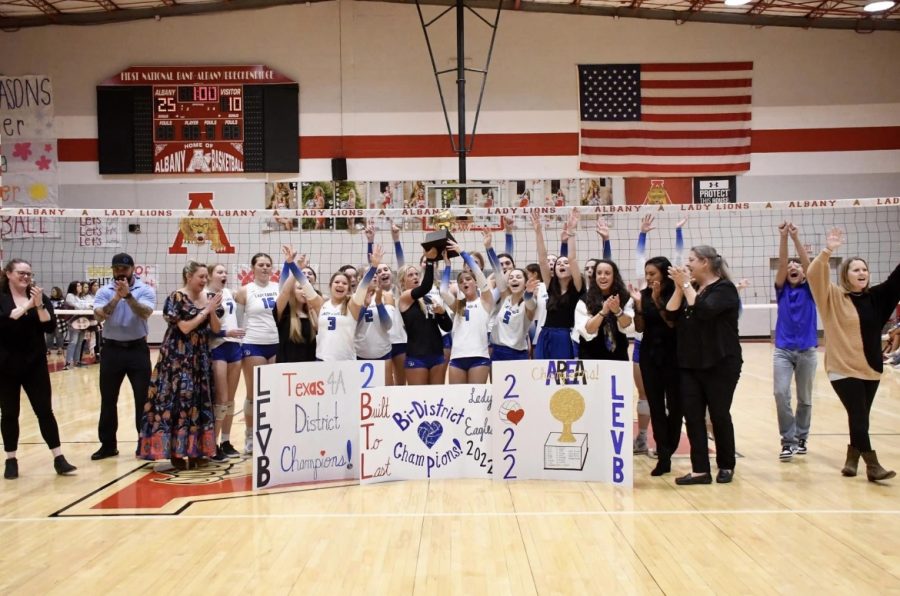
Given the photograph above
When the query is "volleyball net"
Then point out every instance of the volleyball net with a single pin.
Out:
(65, 244)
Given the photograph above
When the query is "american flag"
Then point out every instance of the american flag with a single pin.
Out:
(665, 119)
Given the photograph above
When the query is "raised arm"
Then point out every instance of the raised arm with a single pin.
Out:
(398, 247)
(499, 277)
(603, 232)
(573, 257)
(819, 273)
(781, 272)
(801, 250)
(359, 296)
(541, 247)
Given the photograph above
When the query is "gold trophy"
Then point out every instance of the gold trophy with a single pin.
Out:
(566, 450)
(438, 239)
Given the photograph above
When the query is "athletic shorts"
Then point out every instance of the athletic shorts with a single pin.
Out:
(424, 361)
(230, 351)
(636, 353)
(398, 349)
(470, 362)
(503, 353)
(448, 341)
(262, 350)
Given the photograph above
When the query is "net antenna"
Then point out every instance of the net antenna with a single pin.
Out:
(459, 143)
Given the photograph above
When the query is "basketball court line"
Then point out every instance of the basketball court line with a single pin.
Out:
(473, 514)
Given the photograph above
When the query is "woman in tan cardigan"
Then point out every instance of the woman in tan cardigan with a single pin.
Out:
(853, 315)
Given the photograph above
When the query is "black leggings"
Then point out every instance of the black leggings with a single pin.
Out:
(857, 396)
(662, 386)
(35, 380)
(712, 388)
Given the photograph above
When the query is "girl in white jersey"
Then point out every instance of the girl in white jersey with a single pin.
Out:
(261, 333)
(376, 320)
(338, 315)
(469, 359)
(517, 309)
(226, 362)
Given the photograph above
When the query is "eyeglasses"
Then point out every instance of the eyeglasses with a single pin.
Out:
(24, 273)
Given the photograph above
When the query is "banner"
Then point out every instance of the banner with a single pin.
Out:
(306, 420)
(658, 191)
(425, 432)
(28, 148)
(563, 420)
(715, 189)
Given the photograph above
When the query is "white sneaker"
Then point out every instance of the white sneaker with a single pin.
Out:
(640, 445)
(248, 445)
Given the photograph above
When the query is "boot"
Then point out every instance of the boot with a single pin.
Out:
(852, 461)
(874, 471)
(62, 467)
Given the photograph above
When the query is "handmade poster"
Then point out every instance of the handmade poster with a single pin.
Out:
(306, 420)
(425, 432)
(563, 420)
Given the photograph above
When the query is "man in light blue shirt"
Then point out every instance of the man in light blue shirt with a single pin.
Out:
(123, 306)
(795, 345)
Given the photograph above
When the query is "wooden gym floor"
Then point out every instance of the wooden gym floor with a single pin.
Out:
(791, 528)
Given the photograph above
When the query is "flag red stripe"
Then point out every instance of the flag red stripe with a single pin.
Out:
(696, 66)
(696, 101)
(698, 84)
(738, 133)
(740, 116)
(663, 168)
(670, 151)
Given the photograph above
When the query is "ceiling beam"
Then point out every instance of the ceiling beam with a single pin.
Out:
(45, 7)
(760, 7)
(701, 16)
(822, 9)
(108, 5)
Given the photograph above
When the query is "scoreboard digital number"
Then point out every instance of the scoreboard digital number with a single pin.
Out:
(198, 128)
(198, 120)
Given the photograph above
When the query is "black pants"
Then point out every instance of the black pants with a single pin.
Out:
(711, 388)
(35, 380)
(663, 389)
(857, 396)
(117, 363)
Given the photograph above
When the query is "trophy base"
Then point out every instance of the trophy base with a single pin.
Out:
(438, 239)
(565, 456)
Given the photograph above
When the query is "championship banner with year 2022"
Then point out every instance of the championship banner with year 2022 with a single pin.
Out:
(425, 432)
(306, 420)
(563, 420)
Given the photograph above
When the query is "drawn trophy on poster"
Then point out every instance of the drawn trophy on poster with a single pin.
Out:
(566, 450)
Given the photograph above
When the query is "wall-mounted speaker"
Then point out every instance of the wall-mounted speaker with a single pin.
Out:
(339, 169)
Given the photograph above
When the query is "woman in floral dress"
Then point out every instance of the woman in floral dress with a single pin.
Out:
(178, 415)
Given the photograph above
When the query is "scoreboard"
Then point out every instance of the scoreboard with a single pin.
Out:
(198, 128)
(198, 120)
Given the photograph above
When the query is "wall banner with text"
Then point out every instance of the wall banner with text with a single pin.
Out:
(715, 189)
(306, 420)
(425, 432)
(563, 420)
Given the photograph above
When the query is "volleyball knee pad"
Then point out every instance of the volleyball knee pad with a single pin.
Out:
(229, 408)
(220, 410)
(643, 407)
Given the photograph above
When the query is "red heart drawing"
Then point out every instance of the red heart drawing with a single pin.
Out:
(515, 416)
(322, 453)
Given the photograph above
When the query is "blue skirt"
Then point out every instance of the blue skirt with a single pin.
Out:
(555, 343)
